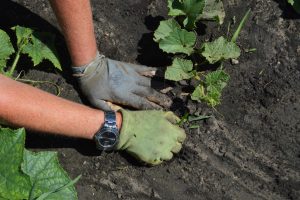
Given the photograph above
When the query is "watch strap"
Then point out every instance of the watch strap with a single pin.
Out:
(110, 119)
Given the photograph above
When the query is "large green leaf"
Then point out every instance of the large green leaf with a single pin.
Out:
(28, 175)
(179, 70)
(47, 175)
(213, 10)
(42, 47)
(165, 28)
(173, 39)
(191, 9)
(14, 184)
(6, 49)
(220, 50)
(211, 90)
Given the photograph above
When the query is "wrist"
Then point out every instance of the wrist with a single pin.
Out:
(119, 120)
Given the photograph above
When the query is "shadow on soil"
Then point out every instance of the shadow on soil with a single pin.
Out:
(288, 11)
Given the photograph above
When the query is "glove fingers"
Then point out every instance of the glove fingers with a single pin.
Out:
(177, 147)
(167, 156)
(101, 104)
(144, 70)
(171, 117)
(154, 96)
(181, 135)
(144, 81)
(139, 102)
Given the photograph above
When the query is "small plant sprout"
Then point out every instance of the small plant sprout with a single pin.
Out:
(177, 36)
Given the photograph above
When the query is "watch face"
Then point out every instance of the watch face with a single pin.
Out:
(107, 139)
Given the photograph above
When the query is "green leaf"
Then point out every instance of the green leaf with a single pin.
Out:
(193, 118)
(6, 49)
(42, 47)
(14, 184)
(165, 28)
(241, 25)
(220, 50)
(23, 34)
(210, 91)
(47, 175)
(28, 175)
(179, 70)
(174, 39)
(47, 194)
(295, 4)
(191, 9)
(213, 10)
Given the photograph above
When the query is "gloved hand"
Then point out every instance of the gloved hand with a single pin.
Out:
(105, 80)
(150, 136)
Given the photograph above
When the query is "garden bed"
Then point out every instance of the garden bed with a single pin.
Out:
(249, 149)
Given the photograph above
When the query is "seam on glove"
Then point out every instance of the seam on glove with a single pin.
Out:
(79, 71)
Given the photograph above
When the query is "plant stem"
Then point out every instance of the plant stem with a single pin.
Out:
(14, 65)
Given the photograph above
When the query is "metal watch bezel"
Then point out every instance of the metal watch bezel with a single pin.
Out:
(98, 135)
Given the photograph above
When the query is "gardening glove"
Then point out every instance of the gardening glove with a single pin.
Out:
(150, 136)
(105, 80)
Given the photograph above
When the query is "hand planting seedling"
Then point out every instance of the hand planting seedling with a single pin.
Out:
(37, 45)
(177, 36)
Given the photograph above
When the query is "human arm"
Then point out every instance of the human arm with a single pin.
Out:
(150, 136)
(118, 82)
(24, 106)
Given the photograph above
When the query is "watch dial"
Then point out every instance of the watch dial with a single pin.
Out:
(107, 139)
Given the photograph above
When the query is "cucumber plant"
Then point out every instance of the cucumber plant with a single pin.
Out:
(37, 45)
(177, 36)
(29, 175)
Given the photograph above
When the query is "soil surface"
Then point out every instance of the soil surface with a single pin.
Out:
(249, 149)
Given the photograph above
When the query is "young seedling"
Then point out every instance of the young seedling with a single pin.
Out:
(37, 45)
(177, 35)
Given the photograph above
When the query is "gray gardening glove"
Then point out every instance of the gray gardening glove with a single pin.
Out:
(105, 80)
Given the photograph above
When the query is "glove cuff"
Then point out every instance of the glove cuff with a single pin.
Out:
(125, 133)
(78, 71)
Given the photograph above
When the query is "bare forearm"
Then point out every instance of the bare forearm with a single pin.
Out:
(75, 19)
(25, 106)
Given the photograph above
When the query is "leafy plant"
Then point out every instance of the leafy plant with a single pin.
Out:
(295, 4)
(37, 45)
(28, 175)
(177, 35)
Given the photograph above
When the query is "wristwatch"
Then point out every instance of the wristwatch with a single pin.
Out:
(108, 135)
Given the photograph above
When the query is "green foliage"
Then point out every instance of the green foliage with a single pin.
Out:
(173, 39)
(241, 25)
(29, 175)
(179, 70)
(42, 47)
(6, 50)
(37, 45)
(220, 50)
(190, 9)
(177, 35)
(213, 10)
(210, 90)
(295, 4)
(14, 184)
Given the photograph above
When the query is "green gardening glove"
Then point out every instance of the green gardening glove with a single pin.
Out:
(150, 136)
